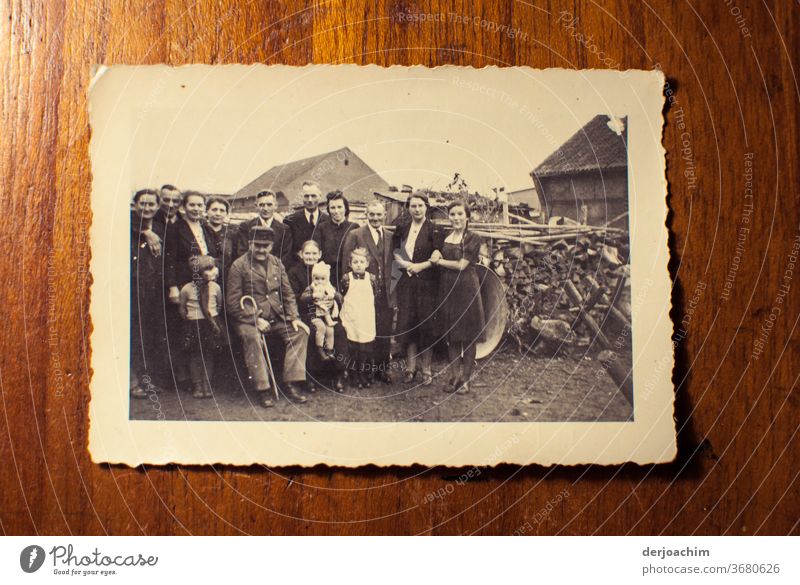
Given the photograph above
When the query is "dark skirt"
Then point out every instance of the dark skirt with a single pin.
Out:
(147, 351)
(417, 301)
(461, 316)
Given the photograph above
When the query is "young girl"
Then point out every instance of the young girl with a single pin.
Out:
(462, 316)
(201, 307)
(358, 314)
(326, 309)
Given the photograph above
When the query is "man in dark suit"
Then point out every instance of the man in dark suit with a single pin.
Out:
(267, 203)
(378, 242)
(170, 201)
(303, 223)
(154, 234)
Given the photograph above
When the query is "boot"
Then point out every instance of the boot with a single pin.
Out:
(265, 399)
(292, 395)
(366, 376)
(338, 383)
(198, 390)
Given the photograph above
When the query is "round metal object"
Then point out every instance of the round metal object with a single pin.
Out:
(495, 309)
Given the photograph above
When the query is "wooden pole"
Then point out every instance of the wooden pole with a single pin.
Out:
(609, 358)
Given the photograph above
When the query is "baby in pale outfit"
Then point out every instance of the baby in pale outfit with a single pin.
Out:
(326, 309)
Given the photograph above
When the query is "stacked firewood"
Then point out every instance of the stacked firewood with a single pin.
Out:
(567, 285)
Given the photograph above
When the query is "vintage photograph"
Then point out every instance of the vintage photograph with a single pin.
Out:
(365, 245)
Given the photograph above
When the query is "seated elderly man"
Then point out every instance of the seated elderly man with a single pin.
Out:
(261, 275)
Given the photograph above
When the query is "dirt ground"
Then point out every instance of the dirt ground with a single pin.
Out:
(508, 387)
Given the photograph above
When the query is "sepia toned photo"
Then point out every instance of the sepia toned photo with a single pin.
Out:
(351, 265)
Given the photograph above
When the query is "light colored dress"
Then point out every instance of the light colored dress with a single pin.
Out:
(358, 309)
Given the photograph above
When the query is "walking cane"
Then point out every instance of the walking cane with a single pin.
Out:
(262, 340)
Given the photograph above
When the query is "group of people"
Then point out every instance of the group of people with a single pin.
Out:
(202, 288)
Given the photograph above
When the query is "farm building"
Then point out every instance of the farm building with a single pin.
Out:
(525, 202)
(587, 178)
(394, 201)
(341, 169)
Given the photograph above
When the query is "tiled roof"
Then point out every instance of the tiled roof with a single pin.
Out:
(596, 146)
(339, 169)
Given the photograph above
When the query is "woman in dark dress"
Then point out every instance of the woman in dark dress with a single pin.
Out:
(417, 288)
(217, 210)
(330, 235)
(146, 295)
(461, 309)
(186, 238)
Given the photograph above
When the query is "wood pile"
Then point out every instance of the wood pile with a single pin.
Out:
(567, 285)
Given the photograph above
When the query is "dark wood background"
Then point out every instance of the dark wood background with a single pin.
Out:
(736, 91)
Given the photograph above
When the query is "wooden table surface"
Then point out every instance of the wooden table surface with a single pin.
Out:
(733, 70)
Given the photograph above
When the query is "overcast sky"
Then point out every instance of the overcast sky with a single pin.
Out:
(219, 130)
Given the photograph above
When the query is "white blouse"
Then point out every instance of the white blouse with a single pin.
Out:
(199, 236)
(411, 240)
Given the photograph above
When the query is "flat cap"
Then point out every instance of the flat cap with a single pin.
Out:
(261, 234)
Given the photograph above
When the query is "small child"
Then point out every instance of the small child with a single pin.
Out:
(201, 307)
(326, 309)
(358, 314)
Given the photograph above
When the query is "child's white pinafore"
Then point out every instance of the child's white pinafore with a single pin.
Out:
(358, 310)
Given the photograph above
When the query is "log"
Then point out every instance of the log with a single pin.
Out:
(524, 220)
(595, 294)
(612, 301)
(577, 300)
(611, 364)
(619, 316)
(499, 236)
(619, 372)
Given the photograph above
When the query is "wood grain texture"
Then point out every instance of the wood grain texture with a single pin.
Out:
(738, 416)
